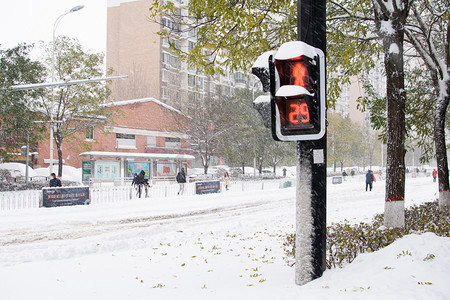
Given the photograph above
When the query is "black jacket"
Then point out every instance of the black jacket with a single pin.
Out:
(181, 177)
(140, 179)
(55, 182)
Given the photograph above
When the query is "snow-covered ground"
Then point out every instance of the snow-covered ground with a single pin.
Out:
(220, 246)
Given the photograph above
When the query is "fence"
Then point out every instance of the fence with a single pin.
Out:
(107, 194)
(19, 199)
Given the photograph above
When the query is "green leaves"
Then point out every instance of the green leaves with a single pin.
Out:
(18, 110)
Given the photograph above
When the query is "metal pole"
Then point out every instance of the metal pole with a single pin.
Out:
(310, 244)
(55, 25)
(27, 153)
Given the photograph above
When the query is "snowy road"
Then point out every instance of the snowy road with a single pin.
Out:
(58, 231)
(210, 246)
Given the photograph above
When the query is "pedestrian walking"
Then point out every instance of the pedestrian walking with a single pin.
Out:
(434, 173)
(226, 179)
(140, 182)
(369, 180)
(181, 179)
(284, 172)
(54, 182)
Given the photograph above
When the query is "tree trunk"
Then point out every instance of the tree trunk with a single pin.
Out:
(441, 149)
(394, 214)
(58, 142)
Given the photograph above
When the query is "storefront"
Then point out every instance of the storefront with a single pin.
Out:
(108, 166)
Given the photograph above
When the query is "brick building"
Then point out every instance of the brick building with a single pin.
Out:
(143, 134)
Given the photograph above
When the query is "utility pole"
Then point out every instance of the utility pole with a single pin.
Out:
(310, 244)
(294, 108)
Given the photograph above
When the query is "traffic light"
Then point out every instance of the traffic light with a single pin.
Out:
(298, 93)
(295, 76)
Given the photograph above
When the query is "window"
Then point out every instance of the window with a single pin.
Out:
(165, 23)
(200, 83)
(191, 45)
(174, 62)
(165, 57)
(125, 141)
(239, 78)
(164, 92)
(166, 41)
(151, 141)
(90, 133)
(173, 143)
(165, 76)
(191, 80)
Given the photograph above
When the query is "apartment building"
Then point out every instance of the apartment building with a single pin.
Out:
(135, 48)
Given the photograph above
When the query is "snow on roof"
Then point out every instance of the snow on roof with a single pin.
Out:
(105, 154)
(142, 100)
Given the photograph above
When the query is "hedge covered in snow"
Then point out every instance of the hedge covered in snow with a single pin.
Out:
(345, 240)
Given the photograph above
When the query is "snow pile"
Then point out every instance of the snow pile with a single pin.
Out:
(69, 173)
(414, 267)
(18, 169)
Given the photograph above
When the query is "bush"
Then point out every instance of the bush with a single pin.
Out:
(345, 241)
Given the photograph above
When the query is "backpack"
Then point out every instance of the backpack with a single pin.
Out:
(179, 177)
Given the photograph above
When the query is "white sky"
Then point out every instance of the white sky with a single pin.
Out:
(32, 20)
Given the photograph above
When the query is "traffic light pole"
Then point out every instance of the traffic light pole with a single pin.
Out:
(310, 244)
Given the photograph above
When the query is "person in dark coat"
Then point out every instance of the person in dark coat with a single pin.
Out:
(141, 183)
(369, 180)
(181, 179)
(54, 182)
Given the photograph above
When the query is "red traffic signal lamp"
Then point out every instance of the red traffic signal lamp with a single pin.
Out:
(297, 86)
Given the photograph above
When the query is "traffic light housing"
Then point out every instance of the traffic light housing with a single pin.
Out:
(297, 72)
(297, 91)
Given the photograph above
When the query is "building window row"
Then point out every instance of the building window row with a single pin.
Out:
(170, 77)
(195, 81)
(171, 60)
(169, 24)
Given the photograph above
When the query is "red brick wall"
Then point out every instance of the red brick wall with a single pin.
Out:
(145, 116)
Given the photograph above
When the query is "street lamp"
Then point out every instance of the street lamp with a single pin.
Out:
(55, 25)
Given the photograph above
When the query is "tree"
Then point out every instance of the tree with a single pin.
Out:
(345, 140)
(280, 152)
(17, 110)
(429, 33)
(234, 33)
(77, 107)
(210, 121)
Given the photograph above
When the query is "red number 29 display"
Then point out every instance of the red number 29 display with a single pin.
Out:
(298, 92)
